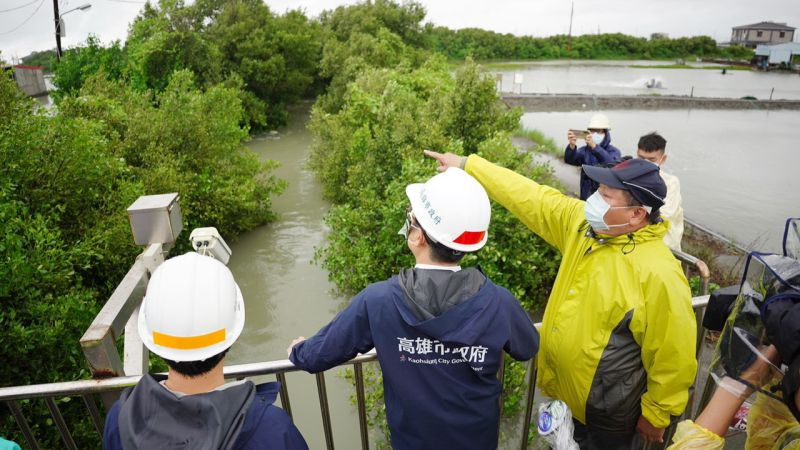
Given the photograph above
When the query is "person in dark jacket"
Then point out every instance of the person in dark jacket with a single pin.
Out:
(439, 330)
(598, 151)
(192, 313)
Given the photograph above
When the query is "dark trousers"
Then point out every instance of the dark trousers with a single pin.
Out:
(591, 439)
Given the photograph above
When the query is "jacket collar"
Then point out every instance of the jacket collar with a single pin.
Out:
(647, 233)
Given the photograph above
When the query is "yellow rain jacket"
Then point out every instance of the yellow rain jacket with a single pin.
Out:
(770, 426)
(618, 333)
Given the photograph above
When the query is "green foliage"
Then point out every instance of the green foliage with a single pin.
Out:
(44, 58)
(482, 45)
(369, 149)
(79, 63)
(166, 38)
(380, 34)
(473, 111)
(275, 56)
(55, 221)
(544, 143)
(369, 17)
(270, 60)
(65, 182)
(696, 286)
(188, 141)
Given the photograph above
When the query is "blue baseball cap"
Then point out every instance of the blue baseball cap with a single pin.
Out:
(638, 176)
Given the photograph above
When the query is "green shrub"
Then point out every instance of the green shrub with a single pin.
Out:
(65, 182)
(371, 148)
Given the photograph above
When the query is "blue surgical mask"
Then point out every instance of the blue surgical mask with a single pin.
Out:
(595, 211)
(598, 137)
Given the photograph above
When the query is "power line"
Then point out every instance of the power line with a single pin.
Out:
(24, 21)
(17, 7)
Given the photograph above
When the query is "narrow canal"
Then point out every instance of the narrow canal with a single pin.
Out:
(286, 294)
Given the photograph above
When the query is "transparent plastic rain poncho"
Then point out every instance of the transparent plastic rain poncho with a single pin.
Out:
(791, 238)
(741, 363)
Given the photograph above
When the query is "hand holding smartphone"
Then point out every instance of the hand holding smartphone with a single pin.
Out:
(580, 134)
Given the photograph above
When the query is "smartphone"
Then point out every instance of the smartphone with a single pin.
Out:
(580, 134)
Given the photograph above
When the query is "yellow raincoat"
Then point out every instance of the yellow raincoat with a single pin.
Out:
(770, 426)
(618, 333)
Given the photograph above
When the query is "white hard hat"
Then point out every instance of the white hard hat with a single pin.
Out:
(192, 310)
(453, 209)
(599, 121)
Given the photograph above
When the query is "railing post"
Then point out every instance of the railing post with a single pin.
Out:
(91, 406)
(529, 403)
(136, 359)
(362, 407)
(501, 375)
(699, 264)
(55, 413)
(281, 377)
(23, 424)
(99, 342)
(325, 410)
(103, 358)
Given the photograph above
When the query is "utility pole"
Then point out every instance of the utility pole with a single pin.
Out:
(571, 12)
(58, 29)
(569, 35)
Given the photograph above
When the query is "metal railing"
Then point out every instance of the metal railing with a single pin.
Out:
(689, 262)
(89, 389)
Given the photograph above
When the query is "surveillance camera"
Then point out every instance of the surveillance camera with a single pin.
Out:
(208, 242)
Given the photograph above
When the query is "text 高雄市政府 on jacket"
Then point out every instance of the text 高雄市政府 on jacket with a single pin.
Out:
(618, 333)
(439, 371)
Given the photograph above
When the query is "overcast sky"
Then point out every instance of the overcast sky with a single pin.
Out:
(27, 25)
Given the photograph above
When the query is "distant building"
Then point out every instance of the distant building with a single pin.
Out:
(30, 79)
(762, 33)
(777, 54)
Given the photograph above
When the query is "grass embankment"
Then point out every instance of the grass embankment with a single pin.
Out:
(687, 66)
(509, 65)
(505, 64)
(544, 143)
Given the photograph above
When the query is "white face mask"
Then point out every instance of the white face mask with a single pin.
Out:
(598, 138)
(595, 210)
(657, 162)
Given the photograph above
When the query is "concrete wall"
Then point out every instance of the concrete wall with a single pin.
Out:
(751, 37)
(567, 102)
(31, 81)
(772, 36)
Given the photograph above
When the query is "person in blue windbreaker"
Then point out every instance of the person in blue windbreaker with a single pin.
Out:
(439, 330)
(598, 151)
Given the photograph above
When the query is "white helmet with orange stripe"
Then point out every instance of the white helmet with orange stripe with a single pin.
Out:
(453, 209)
(192, 310)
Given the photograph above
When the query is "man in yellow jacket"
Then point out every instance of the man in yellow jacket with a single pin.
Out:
(618, 333)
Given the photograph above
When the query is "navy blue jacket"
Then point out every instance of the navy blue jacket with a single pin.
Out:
(439, 375)
(602, 154)
(265, 425)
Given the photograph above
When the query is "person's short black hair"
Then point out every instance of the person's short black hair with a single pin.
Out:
(194, 369)
(652, 142)
(441, 253)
